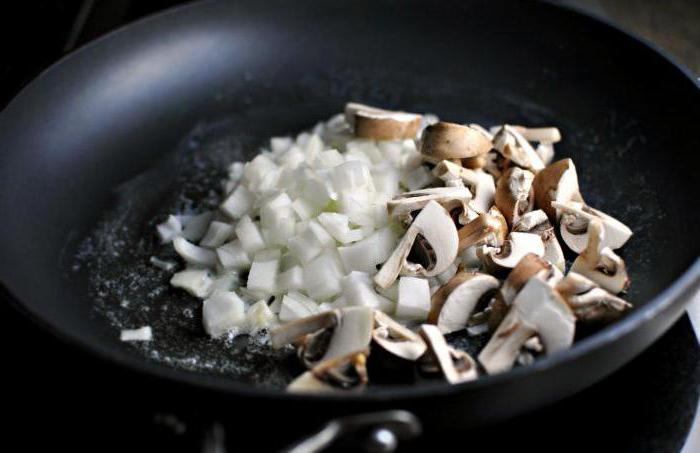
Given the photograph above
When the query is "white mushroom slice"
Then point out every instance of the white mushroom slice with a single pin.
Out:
(397, 339)
(558, 182)
(539, 134)
(380, 124)
(197, 282)
(537, 309)
(573, 226)
(449, 198)
(514, 193)
(480, 184)
(295, 331)
(537, 222)
(516, 246)
(438, 230)
(453, 304)
(488, 229)
(198, 256)
(352, 333)
(599, 263)
(347, 373)
(456, 366)
(513, 146)
(453, 141)
(589, 301)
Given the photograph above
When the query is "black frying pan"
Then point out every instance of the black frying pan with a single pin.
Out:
(215, 73)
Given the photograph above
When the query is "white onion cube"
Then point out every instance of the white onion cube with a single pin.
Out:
(222, 312)
(169, 230)
(232, 256)
(217, 234)
(197, 282)
(262, 278)
(250, 236)
(239, 203)
(414, 298)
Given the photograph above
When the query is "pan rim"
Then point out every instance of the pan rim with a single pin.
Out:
(674, 294)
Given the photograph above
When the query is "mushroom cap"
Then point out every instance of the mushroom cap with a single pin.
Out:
(490, 228)
(589, 302)
(435, 225)
(397, 339)
(445, 357)
(444, 140)
(537, 309)
(599, 263)
(537, 222)
(514, 193)
(576, 216)
(449, 197)
(513, 146)
(557, 182)
(381, 124)
(515, 248)
(453, 304)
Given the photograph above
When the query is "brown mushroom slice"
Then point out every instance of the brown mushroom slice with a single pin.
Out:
(530, 266)
(539, 134)
(490, 228)
(295, 331)
(600, 263)
(345, 373)
(573, 226)
(514, 193)
(451, 307)
(537, 309)
(396, 339)
(437, 231)
(456, 366)
(515, 247)
(590, 302)
(513, 146)
(379, 124)
(402, 206)
(558, 182)
(537, 222)
(444, 140)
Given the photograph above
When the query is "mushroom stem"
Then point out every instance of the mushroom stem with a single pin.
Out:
(445, 356)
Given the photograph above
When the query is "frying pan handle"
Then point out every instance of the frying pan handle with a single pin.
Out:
(373, 432)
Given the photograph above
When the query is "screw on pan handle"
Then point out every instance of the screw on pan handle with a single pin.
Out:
(371, 432)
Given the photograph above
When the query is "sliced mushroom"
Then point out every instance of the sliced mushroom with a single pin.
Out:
(345, 373)
(546, 152)
(438, 236)
(295, 331)
(539, 134)
(456, 366)
(558, 182)
(590, 302)
(379, 124)
(488, 229)
(402, 206)
(513, 146)
(573, 226)
(514, 193)
(600, 263)
(397, 339)
(452, 305)
(453, 141)
(536, 222)
(515, 247)
(480, 183)
(530, 266)
(537, 309)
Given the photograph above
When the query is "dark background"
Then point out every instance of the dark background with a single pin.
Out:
(54, 396)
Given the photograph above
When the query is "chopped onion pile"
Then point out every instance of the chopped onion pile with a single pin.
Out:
(375, 213)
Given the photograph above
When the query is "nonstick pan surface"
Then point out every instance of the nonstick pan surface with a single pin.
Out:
(141, 121)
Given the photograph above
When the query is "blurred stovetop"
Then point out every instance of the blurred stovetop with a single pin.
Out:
(59, 397)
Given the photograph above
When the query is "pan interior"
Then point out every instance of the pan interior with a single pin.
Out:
(175, 99)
